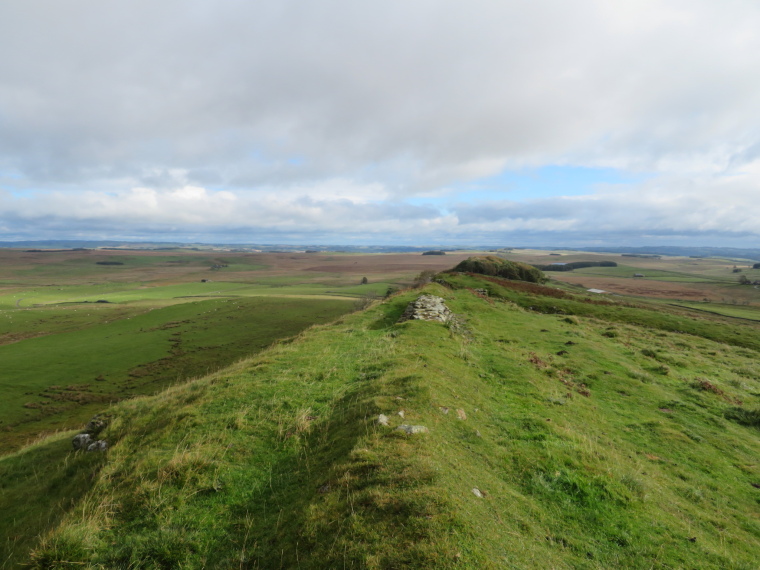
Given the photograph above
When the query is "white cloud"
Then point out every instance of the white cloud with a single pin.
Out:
(293, 113)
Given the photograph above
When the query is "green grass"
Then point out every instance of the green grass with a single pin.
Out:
(600, 439)
(653, 274)
(742, 312)
(98, 354)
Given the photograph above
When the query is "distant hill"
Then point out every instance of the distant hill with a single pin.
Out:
(536, 428)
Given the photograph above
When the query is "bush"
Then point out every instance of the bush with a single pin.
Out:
(497, 267)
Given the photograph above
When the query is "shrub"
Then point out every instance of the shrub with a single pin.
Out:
(497, 267)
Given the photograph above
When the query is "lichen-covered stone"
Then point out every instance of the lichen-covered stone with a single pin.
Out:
(96, 425)
(427, 308)
(81, 441)
(100, 445)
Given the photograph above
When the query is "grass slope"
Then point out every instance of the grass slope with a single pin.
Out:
(598, 440)
(99, 355)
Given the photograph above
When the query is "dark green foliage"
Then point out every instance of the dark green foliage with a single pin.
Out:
(497, 267)
(575, 265)
(434, 252)
(756, 266)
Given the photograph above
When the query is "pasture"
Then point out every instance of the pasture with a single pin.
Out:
(665, 277)
(82, 329)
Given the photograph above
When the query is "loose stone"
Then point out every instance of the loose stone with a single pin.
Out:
(412, 429)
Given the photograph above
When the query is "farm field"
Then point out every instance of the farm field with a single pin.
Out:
(82, 329)
(665, 277)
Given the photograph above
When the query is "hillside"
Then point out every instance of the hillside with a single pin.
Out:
(563, 431)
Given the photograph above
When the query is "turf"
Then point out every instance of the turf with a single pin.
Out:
(82, 362)
(607, 438)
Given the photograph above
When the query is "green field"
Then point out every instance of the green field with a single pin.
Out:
(598, 431)
(654, 274)
(598, 434)
(76, 336)
(737, 311)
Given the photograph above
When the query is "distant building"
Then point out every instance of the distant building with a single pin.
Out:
(638, 275)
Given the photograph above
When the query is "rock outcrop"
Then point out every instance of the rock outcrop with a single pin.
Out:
(427, 308)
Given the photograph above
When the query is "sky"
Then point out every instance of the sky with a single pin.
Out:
(422, 122)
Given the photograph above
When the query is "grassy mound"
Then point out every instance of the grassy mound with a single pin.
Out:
(497, 267)
(591, 442)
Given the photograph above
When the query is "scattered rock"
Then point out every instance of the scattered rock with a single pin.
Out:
(382, 420)
(483, 292)
(96, 425)
(478, 493)
(81, 441)
(426, 308)
(100, 445)
(460, 414)
(401, 413)
(477, 433)
(412, 429)
(444, 409)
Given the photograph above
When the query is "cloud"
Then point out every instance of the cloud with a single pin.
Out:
(333, 108)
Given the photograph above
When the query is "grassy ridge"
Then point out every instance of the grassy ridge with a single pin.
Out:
(595, 442)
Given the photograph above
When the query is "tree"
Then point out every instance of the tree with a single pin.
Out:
(364, 281)
(424, 278)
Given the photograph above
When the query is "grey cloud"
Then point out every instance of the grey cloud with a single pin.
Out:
(106, 90)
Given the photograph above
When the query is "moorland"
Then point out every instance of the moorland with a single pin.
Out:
(563, 428)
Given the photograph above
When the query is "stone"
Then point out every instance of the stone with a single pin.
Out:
(401, 414)
(460, 414)
(444, 409)
(477, 492)
(95, 425)
(427, 308)
(81, 441)
(412, 429)
(100, 445)
(382, 420)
